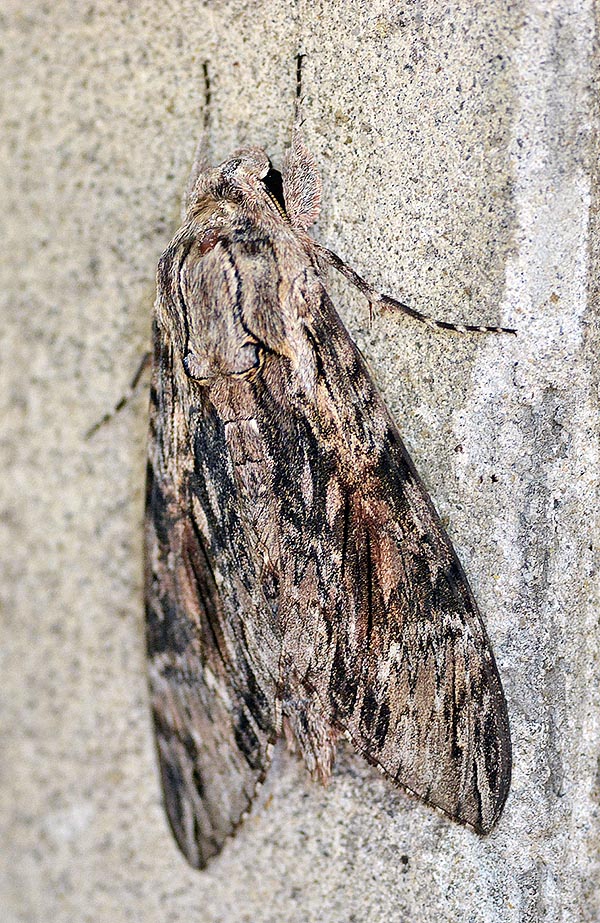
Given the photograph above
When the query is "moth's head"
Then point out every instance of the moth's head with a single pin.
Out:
(248, 178)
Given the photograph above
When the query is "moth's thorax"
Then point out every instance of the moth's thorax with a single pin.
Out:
(235, 279)
(232, 279)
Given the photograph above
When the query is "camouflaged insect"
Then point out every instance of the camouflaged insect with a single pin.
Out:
(299, 581)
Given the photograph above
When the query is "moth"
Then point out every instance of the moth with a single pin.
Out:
(299, 583)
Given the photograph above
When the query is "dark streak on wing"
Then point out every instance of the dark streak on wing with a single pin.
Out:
(213, 700)
(392, 673)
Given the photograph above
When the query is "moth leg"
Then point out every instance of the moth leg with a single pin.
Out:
(302, 185)
(201, 159)
(385, 302)
(124, 400)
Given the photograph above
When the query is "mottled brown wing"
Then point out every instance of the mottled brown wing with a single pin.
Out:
(384, 632)
(210, 672)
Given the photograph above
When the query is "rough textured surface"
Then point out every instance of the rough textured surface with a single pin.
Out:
(456, 146)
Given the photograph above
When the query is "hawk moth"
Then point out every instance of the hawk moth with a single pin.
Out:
(299, 582)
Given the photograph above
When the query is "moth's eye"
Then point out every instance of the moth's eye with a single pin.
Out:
(274, 183)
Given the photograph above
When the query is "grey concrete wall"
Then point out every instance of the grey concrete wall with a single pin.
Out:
(456, 146)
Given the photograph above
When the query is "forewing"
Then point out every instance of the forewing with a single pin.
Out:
(392, 643)
(210, 647)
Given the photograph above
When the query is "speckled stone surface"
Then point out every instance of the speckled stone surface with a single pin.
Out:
(456, 146)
